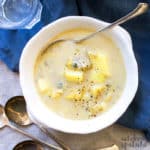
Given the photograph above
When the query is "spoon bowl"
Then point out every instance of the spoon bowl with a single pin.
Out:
(16, 112)
(28, 145)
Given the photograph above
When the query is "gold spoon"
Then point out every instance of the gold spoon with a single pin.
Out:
(16, 112)
(5, 122)
(140, 9)
(28, 145)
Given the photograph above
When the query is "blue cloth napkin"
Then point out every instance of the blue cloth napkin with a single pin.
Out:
(138, 114)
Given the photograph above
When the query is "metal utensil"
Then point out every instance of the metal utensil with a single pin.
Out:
(140, 9)
(16, 112)
(28, 145)
(5, 122)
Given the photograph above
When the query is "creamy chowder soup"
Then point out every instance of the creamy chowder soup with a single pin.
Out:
(80, 81)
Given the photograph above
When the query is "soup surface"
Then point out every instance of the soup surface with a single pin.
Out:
(80, 81)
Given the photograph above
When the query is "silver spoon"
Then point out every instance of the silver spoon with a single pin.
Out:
(28, 145)
(5, 122)
(16, 112)
(140, 9)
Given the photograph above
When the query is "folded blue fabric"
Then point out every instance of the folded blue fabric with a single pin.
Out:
(138, 114)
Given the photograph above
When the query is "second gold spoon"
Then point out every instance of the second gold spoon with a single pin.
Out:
(5, 122)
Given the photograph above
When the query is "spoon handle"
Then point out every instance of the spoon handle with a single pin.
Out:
(34, 138)
(57, 140)
(140, 9)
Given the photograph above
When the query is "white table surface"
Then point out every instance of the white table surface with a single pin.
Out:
(126, 139)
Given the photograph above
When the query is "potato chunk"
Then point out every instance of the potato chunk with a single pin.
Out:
(100, 70)
(76, 94)
(98, 108)
(97, 90)
(73, 75)
(57, 93)
(102, 64)
(44, 86)
(97, 76)
(46, 89)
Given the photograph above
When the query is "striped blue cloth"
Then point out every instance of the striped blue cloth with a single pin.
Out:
(138, 114)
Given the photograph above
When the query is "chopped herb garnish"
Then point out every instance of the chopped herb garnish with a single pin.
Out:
(59, 85)
(75, 65)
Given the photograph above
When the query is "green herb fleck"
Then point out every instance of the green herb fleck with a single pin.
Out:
(75, 65)
(59, 85)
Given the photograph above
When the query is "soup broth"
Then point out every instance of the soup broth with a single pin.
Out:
(80, 81)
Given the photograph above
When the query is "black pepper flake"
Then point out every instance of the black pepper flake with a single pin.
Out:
(87, 109)
(75, 100)
(108, 85)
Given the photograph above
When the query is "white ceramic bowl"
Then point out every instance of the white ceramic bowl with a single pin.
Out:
(49, 119)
